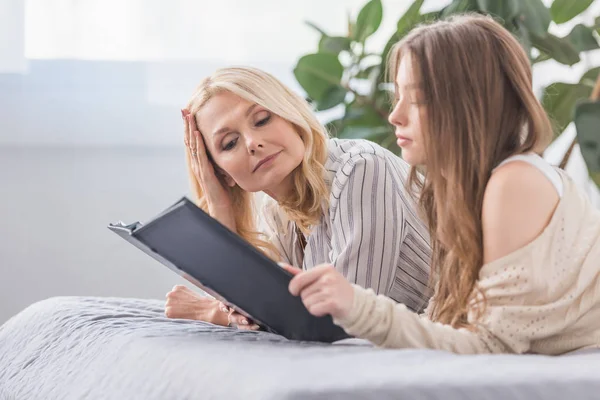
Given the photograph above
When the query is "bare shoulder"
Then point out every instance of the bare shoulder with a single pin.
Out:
(518, 203)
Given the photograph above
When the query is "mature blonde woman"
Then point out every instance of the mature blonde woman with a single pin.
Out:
(333, 201)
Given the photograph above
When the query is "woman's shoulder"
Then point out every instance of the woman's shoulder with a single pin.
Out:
(344, 152)
(355, 163)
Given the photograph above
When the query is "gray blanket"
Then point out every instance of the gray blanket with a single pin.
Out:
(107, 348)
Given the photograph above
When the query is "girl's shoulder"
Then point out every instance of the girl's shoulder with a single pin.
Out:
(518, 204)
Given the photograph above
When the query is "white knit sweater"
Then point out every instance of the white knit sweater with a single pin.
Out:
(543, 298)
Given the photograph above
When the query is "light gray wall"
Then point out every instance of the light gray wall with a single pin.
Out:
(55, 205)
(99, 103)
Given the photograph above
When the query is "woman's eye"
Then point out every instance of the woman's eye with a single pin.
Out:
(230, 145)
(263, 121)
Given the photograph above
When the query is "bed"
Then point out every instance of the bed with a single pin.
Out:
(115, 348)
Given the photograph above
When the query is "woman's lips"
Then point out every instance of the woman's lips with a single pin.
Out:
(266, 160)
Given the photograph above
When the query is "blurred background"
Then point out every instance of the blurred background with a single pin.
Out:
(90, 127)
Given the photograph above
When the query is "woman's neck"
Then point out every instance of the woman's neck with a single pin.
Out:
(281, 192)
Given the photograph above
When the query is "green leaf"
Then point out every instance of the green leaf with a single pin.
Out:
(366, 73)
(334, 44)
(316, 73)
(564, 10)
(333, 96)
(505, 9)
(540, 58)
(373, 133)
(368, 20)
(559, 49)
(522, 35)
(410, 18)
(535, 16)
(587, 121)
(582, 38)
(559, 100)
(590, 77)
(358, 114)
(315, 27)
(459, 6)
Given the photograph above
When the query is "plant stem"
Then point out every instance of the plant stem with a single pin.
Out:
(594, 97)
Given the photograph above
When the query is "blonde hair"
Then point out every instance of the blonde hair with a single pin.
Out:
(481, 109)
(305, 206)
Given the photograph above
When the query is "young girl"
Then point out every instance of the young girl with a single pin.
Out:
(516, 247)
(342, 202)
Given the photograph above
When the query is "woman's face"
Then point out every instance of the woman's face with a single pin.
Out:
(256, 149)
(408, 113)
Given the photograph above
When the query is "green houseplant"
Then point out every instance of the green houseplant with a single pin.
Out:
(342, 73)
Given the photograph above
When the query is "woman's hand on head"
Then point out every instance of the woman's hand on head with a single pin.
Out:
(213, 186)
(324, 291)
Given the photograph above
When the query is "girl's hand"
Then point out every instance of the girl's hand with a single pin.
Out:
(323, 290)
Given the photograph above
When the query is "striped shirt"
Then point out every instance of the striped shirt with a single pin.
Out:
(371, 233)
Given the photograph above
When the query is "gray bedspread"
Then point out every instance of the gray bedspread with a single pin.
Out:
(108, 348)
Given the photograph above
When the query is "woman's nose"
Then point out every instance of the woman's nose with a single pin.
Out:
(253, 143)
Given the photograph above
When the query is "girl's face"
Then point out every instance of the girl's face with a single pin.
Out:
(409, 113)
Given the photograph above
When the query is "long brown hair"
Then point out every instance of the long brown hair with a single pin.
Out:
(481, 109)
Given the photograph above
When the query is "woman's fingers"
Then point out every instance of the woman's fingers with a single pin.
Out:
(223, 307)
(180, 291)
(236, 318)
(191, 137)
(205, 170)
(200, 150)
(186, 135)
(241, 322)
(253, 327)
